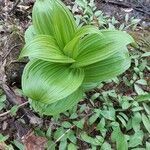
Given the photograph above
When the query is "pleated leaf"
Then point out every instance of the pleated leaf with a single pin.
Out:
(48, 82)
(72, 48)
(59, 106)
(108, 68)
(52, 17)
(87, 29)
(29, 34)
(44, 47)
(118, 36)
(42, 16)
(64, 24)
(94, 47)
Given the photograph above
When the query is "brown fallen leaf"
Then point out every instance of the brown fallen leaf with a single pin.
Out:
(33, 142)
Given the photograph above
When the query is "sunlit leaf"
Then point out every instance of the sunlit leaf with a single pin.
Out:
(72, 48)
(94, 48)
(52, 17)
(47, 82)
(138, 90)
(44, 47)
(67, 60)
(107, 68)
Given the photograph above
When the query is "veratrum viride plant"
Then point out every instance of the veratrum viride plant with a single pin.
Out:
(66, 60)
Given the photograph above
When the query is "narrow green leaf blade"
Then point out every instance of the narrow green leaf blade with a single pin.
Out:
(146, 122)
(48, 82)
(143, 98)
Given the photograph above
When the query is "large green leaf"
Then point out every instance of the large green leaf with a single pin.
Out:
(118, 36)
(72, 48)
(64, 24)
(44, 47)
(95, 47)
(60, 106)
(108, 68)
(42, 16)
(52, 17)
(48, 82)
(87, 29)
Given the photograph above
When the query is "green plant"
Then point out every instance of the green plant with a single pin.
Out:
(2, 100)
(66, 60)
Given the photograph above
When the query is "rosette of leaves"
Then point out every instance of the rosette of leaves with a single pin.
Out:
(66, 60)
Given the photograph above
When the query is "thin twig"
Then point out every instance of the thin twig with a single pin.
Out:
(68, 131)
(17, 100)
(62, 136)
(140, 10)
(6, 55)
(127, 6)
(7, 112)
(14, 7)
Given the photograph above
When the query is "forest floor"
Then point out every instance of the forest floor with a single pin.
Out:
(124, 100)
